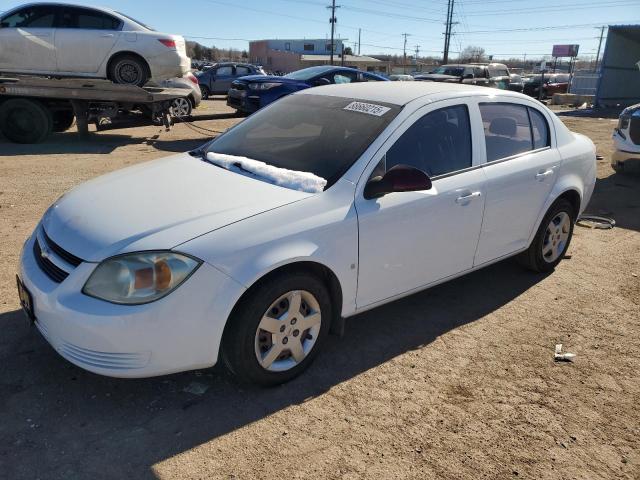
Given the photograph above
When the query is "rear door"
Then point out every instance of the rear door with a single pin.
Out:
(27, 40)
(521, 169)
(84, 38)
(222, 78)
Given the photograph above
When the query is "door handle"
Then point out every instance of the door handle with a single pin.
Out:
(107, 35)
(545, 174)
(464, 199)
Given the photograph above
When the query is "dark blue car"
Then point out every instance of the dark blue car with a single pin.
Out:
(251, 93)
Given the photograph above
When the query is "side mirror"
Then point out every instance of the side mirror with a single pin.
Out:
(322, 81)
(401, 178)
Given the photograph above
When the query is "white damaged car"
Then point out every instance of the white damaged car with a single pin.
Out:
(626, 139)
(325, 204)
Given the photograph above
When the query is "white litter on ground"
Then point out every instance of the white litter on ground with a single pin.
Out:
(301, 181)
(563, 357)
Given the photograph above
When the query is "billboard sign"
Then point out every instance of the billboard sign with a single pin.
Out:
(565, 50)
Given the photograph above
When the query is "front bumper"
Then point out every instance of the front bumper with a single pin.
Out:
(242, 100)
(626, 155)
(181, 331)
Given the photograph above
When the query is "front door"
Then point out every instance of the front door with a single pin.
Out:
(84, 38)
(521, 169)
(408, 240)
(27, 40)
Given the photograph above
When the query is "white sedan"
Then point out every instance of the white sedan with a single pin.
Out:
(71, 40)
(327, 203)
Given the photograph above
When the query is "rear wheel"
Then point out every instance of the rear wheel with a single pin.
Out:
(552, 239)
(205, 92)
(128, 70)
(277, 331)
(181, 107)
(25, 120)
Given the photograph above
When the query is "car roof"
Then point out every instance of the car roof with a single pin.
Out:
(402, 93)
(62, 4)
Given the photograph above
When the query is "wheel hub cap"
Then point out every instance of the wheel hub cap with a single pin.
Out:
(556, 237)
(288, 331)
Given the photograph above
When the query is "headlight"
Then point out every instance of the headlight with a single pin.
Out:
(137, 278)
(263, 86)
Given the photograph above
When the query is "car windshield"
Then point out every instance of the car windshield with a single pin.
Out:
(323, 135)
(136, 21)
(444, 70)
(307, 73)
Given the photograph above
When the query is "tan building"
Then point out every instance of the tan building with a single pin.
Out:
(285, 56)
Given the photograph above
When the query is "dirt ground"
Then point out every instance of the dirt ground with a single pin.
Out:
(457, 382)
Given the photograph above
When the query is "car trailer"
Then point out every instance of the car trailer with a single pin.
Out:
(33, 107)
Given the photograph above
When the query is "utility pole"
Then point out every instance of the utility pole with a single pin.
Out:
(404, 54)
(447, 33)
(333, 21)
(417, 47)
(359, 32)
(599, 45)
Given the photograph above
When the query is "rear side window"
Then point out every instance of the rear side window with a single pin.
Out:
(438, 143)
(507, 130)
(540, 129)
(30, 17)
(224, 71)
(82, 18)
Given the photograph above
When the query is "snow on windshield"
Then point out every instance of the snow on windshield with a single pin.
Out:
(302, 181)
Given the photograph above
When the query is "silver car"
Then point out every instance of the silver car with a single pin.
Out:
(182, 107)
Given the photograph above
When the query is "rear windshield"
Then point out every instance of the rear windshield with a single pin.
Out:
(309, 133)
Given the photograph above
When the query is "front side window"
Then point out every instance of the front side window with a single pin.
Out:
(511, 129)
(345, 77)
(438, 143)
(30, 17)
(320, 134)
(87, 19)
(242, 71)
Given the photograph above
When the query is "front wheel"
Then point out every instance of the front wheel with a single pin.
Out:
(277, 331)
(552, 238)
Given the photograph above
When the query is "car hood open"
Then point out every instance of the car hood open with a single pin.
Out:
(157, 205)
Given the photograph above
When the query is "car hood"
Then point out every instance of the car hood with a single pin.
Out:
(157, 205)
(270, 78)
(438, 77)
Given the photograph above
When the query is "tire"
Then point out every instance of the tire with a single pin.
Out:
(62, 120)
(128, 70)
(181, 107)
(245, 340)
(25, 121)
(552, 238)
(205, 92)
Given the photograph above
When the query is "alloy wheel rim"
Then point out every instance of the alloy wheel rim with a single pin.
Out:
(180, 107)
(288, 331)
(556, 237)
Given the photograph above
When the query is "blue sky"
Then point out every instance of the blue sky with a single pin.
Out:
(228, 23)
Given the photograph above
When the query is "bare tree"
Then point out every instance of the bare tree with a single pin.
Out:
(472, 54)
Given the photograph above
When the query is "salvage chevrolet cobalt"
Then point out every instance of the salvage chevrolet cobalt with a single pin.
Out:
(324, 204)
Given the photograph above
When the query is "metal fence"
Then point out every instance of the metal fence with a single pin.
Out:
(584, 83)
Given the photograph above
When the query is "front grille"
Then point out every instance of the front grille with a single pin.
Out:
(54, 272)
(634, 130)
(70, 258)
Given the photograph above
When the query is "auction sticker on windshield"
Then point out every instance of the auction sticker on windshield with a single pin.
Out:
(369, 108)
